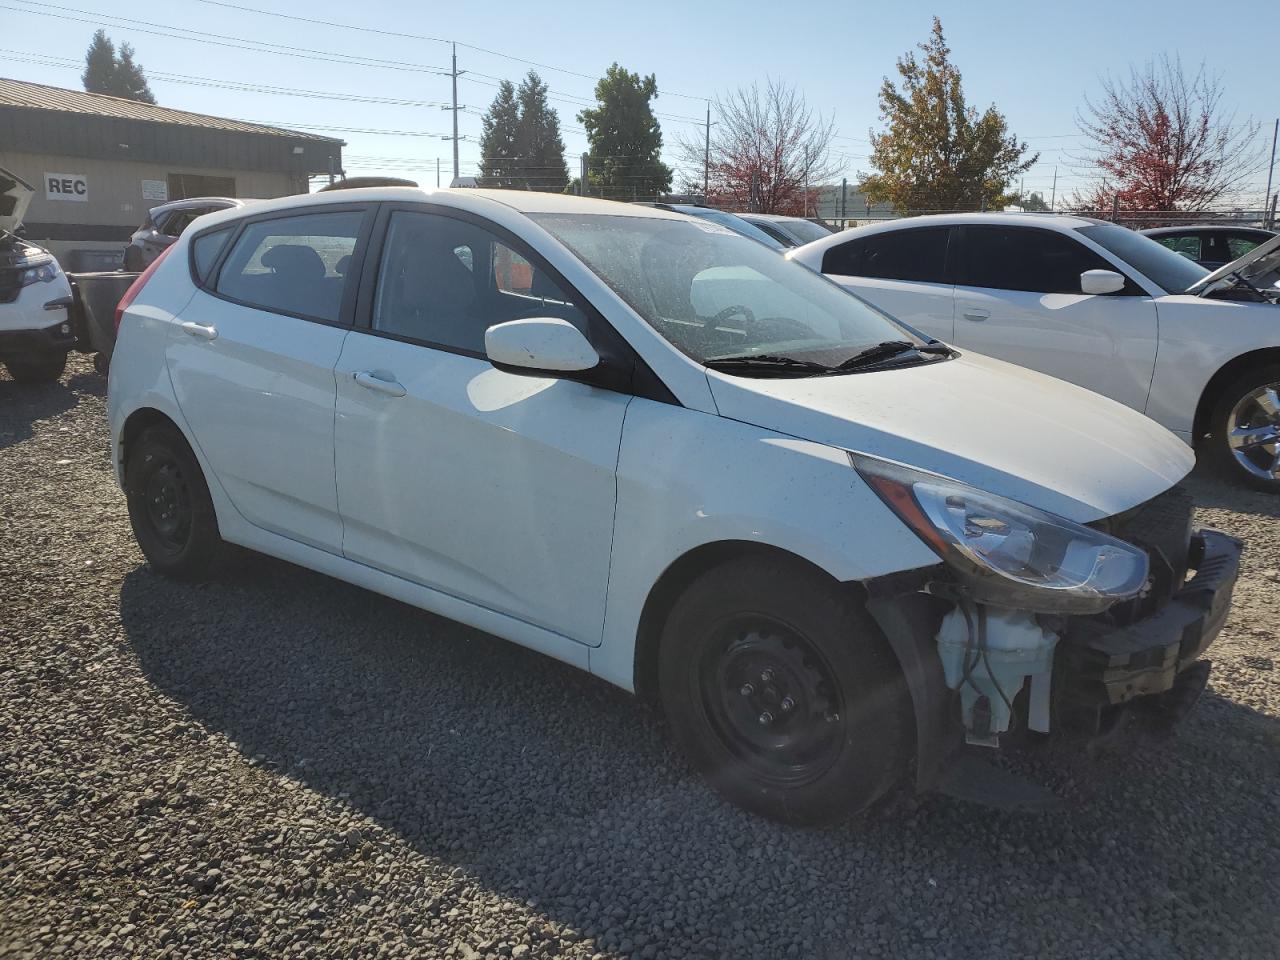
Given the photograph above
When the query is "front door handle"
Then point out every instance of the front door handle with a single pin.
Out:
(386, 383)
(202, 331)
(975, 313)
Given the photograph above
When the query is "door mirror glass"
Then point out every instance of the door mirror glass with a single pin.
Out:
(546, 345)
(1101, 282)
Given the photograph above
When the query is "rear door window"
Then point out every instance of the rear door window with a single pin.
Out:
(295, 265)
(1025, 258)
(1239, 245)
(918, 255)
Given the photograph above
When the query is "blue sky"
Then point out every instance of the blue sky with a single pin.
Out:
(1036, 62)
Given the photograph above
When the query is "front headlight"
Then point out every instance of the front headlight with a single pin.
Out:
(1005, 552)
(45, 273)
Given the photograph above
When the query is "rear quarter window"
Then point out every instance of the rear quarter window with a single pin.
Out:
(918, 255)
(204, 253)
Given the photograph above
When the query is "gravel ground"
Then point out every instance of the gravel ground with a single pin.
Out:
(278, 764)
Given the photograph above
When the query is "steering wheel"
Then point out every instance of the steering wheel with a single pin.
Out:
(728, 312)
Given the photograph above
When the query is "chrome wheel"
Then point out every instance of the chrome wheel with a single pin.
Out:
(1253, 432)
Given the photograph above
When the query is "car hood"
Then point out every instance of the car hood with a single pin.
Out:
(990, 424)
(15, 197)
(1260, 267)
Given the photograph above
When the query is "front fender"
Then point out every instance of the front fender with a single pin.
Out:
(687, 479)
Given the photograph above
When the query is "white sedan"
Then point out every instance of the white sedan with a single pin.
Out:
(654, 449)
(1092, 303)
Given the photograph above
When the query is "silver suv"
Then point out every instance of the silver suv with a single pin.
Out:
(165, 223)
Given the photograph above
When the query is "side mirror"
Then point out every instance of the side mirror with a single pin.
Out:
(1101, 282)
(539, 345)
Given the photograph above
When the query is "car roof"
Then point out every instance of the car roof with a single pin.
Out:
(1062, 222)
(1205, 228)
(773, 217)
(471, 199)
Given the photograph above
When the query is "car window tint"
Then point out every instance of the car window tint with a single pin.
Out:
(918, 255)
(1019, 258)
(1185, 244)
(293, 264)
(444, 281)
(205, 249)
(1238, 246)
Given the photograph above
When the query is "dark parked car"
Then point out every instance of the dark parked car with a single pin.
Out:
(791, 231)
(165, 223)
(1211, 247)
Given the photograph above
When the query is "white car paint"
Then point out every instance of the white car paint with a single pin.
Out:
(545, 510)
(1155, 353)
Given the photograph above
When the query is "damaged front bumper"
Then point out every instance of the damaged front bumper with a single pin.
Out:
(1101, 666)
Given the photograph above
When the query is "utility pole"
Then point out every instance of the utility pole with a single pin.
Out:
(706, 159)
(582, 177)
(1053, 197)
(844, 202)
(806, 182)
(1272, 166)
(437, 173)
(454, 75)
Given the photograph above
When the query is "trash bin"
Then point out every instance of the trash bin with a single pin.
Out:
(94, 311)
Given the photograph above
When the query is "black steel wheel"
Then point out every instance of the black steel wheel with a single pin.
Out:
(782, 691)
(169, 505)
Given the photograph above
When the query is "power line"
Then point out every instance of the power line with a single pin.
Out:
(418, 36)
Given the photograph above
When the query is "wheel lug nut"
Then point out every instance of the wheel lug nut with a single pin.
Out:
(766, 718)
(787, 704)
(746, 690)
(766, 675)
(833, 718)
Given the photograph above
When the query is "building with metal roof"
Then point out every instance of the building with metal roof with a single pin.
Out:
(100, 163)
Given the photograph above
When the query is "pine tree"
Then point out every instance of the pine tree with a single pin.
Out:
(117, 75)
(538, 142)
(625, 139)
(130, 80)
(100, 65)
(498, 144)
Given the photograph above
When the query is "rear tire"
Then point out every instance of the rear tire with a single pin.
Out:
(37, 370)
(1247, 411)
(782, 691)
(169, 506)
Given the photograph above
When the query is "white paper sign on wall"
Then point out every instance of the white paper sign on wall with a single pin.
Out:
(66, 186)
(155, 190)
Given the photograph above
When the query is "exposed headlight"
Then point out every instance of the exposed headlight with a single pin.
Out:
(42, 273)
(1005, 552)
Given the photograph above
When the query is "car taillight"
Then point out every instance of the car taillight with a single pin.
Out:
(135, 288)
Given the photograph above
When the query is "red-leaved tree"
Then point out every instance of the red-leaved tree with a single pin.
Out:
(1162, 141)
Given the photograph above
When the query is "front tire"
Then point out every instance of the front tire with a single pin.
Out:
(37, 370)
(169, 506)
(782, 691)
(1245, 428)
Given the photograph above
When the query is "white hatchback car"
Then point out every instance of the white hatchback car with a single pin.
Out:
(1095, 304)
(656, 450)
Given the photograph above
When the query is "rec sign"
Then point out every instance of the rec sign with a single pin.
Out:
(66, 186)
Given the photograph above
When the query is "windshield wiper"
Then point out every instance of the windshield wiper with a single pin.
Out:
(887, 350)
(764, 364)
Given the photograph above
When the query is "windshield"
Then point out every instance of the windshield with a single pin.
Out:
(1171, 271)
(734, 223)
(715, 294)
(805, 230)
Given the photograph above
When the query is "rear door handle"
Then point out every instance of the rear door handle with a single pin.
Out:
(380, 384)
(202, 331)
(976, 313)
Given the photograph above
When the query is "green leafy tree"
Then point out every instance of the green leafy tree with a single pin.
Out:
(498, 148)
(938, 153)
(119, 75)
(625, 138)
(538, 140)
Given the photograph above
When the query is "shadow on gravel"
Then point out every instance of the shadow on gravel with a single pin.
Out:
(1212, 487)
(23, 404)
(550, 787)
